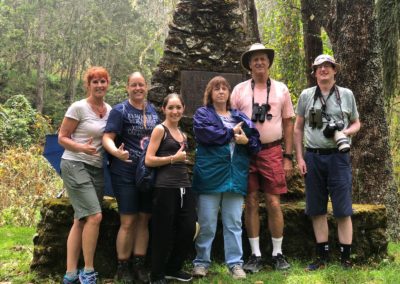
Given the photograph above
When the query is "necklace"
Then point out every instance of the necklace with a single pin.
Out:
(100, 111)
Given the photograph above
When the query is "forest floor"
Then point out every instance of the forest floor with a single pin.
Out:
(16, 249)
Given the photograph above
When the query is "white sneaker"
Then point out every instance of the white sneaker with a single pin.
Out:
(237, 272)
(199, 271)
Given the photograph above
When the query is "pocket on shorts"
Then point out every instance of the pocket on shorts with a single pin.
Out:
(279, 178)
(74, 172)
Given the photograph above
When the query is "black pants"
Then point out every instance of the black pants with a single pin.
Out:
(173, 227)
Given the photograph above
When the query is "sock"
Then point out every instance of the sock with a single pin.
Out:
(71, 275)
(88, 270)
(345, 251)
(322, 251)
(255, 246)
(276, 246)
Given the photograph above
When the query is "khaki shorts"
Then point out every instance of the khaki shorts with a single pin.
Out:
(85, 187)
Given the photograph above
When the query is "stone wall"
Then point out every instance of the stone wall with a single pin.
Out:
(204, 36)
(49, 256)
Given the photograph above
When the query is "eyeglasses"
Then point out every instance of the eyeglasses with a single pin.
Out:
(325, 65)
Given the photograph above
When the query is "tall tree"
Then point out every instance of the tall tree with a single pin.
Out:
(352, 29)
(388, 17)
(312, 39)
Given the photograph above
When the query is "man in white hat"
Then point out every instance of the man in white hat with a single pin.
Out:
(326, 116)
(267, 102)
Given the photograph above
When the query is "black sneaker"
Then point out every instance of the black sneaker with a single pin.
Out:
(124, 275)
(140, 272)
(159, 281)
(346, 264)
(319, 263)
(254, 264)
(179, 275)
(279, 262)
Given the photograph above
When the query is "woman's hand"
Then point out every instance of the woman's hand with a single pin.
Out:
(88, 148)
(179, 156)
(122, 154)
(241, 138)
(238, 128)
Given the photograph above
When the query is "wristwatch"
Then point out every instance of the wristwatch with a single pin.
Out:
(288, 156)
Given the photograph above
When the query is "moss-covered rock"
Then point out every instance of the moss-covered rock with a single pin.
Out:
(49, 257)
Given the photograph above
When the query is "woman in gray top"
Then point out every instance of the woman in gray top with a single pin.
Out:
(81, 169)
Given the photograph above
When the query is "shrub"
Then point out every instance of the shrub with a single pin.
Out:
(26, 179)
(20, 124)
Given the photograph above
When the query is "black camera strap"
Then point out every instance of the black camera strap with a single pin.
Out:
(318, 95)
(268, 90)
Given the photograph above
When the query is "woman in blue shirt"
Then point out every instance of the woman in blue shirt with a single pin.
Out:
(128, 127)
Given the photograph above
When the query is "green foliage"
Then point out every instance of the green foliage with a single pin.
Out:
(20, 124)
(121, 35)
(15, 254)
(280, 28)
(26, 179)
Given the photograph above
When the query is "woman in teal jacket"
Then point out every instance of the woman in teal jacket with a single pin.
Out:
(225, 140)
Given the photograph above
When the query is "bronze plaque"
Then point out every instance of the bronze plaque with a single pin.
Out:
(193, 85)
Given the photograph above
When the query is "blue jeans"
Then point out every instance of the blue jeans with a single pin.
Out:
(231, 205)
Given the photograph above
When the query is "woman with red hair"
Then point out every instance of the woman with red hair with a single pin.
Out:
(81, 135)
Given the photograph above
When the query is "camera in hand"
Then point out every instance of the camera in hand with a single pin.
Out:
(334, 130)
(260, 112)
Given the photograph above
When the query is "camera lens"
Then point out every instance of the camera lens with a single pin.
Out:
(269, 116)
(342, 142)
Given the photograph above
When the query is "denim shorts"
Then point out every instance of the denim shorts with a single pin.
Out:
(328, 176)
(85, 187)
(266, 172)
(129, 198)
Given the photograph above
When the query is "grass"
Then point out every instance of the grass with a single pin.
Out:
(16, 254)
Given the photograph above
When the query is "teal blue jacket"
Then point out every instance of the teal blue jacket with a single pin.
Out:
(215, 170)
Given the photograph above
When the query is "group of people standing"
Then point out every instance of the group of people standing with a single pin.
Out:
(244, 146)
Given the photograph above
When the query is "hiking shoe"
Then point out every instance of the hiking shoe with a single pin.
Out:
(319, 263)
(254, 264)
(67, 280)
(140, 271)
(199, 271)
(88, 277)
(346, 264)
(179, 276)
(124, 274)
(237, 272)
(279, 262)
(159, 281)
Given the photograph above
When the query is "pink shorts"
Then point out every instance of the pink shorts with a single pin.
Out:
(266, 172)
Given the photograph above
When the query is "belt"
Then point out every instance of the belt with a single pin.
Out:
(323, 151)
(271, 144)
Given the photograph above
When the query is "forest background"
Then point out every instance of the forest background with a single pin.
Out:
(46, 45)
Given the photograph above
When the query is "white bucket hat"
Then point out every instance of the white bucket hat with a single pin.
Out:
(325, 58)
(256, 47)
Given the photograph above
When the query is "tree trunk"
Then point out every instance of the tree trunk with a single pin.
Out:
(41, 61)
(250, 20)
(352, 28)
(312, 39)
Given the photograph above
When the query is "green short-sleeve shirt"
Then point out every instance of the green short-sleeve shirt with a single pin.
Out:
(313, 137)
